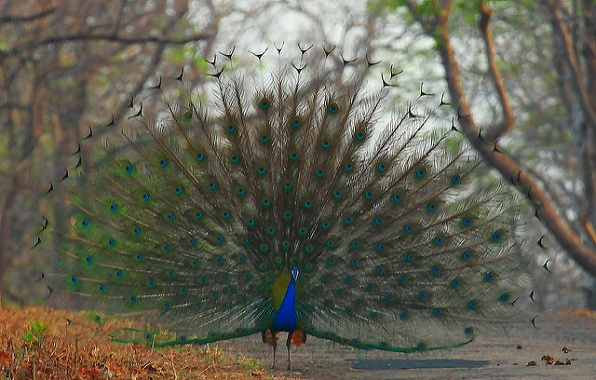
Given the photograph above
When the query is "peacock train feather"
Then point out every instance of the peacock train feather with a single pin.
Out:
(286, 199)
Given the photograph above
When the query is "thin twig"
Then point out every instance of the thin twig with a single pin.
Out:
(560, 28)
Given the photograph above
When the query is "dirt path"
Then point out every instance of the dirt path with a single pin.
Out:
(489, 357)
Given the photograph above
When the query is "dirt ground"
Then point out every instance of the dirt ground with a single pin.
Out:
(75, 347)
(494, 356)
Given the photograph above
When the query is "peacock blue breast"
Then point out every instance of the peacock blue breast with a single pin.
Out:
(285, 318)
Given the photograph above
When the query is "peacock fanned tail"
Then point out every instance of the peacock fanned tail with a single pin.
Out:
(197, 219)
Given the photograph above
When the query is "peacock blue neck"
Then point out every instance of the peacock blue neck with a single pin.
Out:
(285, 319)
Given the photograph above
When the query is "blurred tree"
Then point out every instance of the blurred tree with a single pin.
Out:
(528, 89)
(65, 66)
(61, 62)
(524, 71)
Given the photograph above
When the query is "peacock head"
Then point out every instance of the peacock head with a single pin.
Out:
(295, 273)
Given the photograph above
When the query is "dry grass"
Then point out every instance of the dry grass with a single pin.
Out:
(81, 350)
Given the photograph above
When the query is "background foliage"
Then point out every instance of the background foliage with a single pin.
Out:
(527, 70)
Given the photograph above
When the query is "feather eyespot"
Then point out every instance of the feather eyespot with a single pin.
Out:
(264, 103)
(333, 108)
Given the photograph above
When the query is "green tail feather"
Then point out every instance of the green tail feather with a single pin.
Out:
(184, 222)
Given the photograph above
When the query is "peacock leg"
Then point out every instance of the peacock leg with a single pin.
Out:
(274, 348)
(288, 344)
(273, 342)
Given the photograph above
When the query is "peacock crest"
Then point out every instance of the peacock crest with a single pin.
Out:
(290, 196)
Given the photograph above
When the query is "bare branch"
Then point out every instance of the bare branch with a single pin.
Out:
(589, 228)
(497, 79)
(28, 18)
(123, 40)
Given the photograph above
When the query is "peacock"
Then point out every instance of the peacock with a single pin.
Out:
(286, 194)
